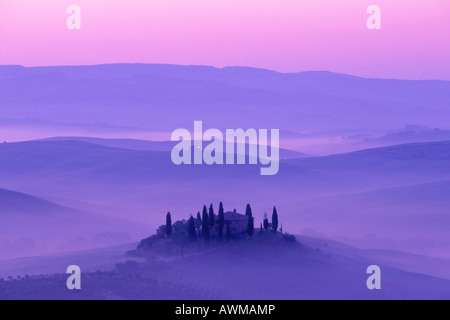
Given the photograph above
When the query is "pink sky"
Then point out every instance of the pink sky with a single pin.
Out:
(283, 35)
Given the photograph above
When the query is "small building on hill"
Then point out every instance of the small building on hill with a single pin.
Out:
(238, 222)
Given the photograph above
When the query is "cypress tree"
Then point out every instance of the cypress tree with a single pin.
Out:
(261, 228)
(168, 224)
(211, 216)
(198, 221)
(192, 231)
(248, 210)
(274, 220)
(250, 226)
(221, 221)
(205, 224)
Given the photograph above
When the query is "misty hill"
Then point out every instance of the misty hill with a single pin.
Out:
(30, 226)
(165, 97)
(408, 163)
(410, 134)
(146, 145)
(33, 162)
(325, 194)
(414, 216)
(254, 269)
(20, 203)
(131, 144)
(75, 160)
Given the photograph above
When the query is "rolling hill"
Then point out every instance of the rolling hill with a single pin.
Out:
(127, 97)
(31, 226)
(20, 203)
(260, 268)
(146, 145)
(394, 195)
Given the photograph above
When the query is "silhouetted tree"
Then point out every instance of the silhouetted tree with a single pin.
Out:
(192, 231)
(266, 224)
(250, 226)
(221, 221)
(180, 235)
(198, 221)
(211, 216)
(250, 223)
(274, 220)
(261, 228)
(205, 224)
(281, 229)
(168, 224)
(161, 231)
(248, 210)
(234, 211)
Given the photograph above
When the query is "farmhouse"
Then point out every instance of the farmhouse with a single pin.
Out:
(207, 225)
(238, 223)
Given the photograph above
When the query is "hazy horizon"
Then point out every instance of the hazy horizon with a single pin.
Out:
(280, 35)
(338, 112)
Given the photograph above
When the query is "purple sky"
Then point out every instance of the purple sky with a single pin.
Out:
(284, 35)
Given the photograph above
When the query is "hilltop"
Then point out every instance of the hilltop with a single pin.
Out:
(160, 247)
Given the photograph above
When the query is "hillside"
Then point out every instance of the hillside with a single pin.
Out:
(374, 189)
(386, 166)
(134, 144)
(258, 268)
(12, 202)
(125, 97)
(32, 226)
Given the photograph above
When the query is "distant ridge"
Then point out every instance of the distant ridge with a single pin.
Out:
(147, 145)
(166, 97)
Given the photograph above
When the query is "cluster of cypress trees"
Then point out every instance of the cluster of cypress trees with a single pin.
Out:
(207, 221)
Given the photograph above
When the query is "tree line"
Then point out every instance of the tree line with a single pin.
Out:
(206, 221)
